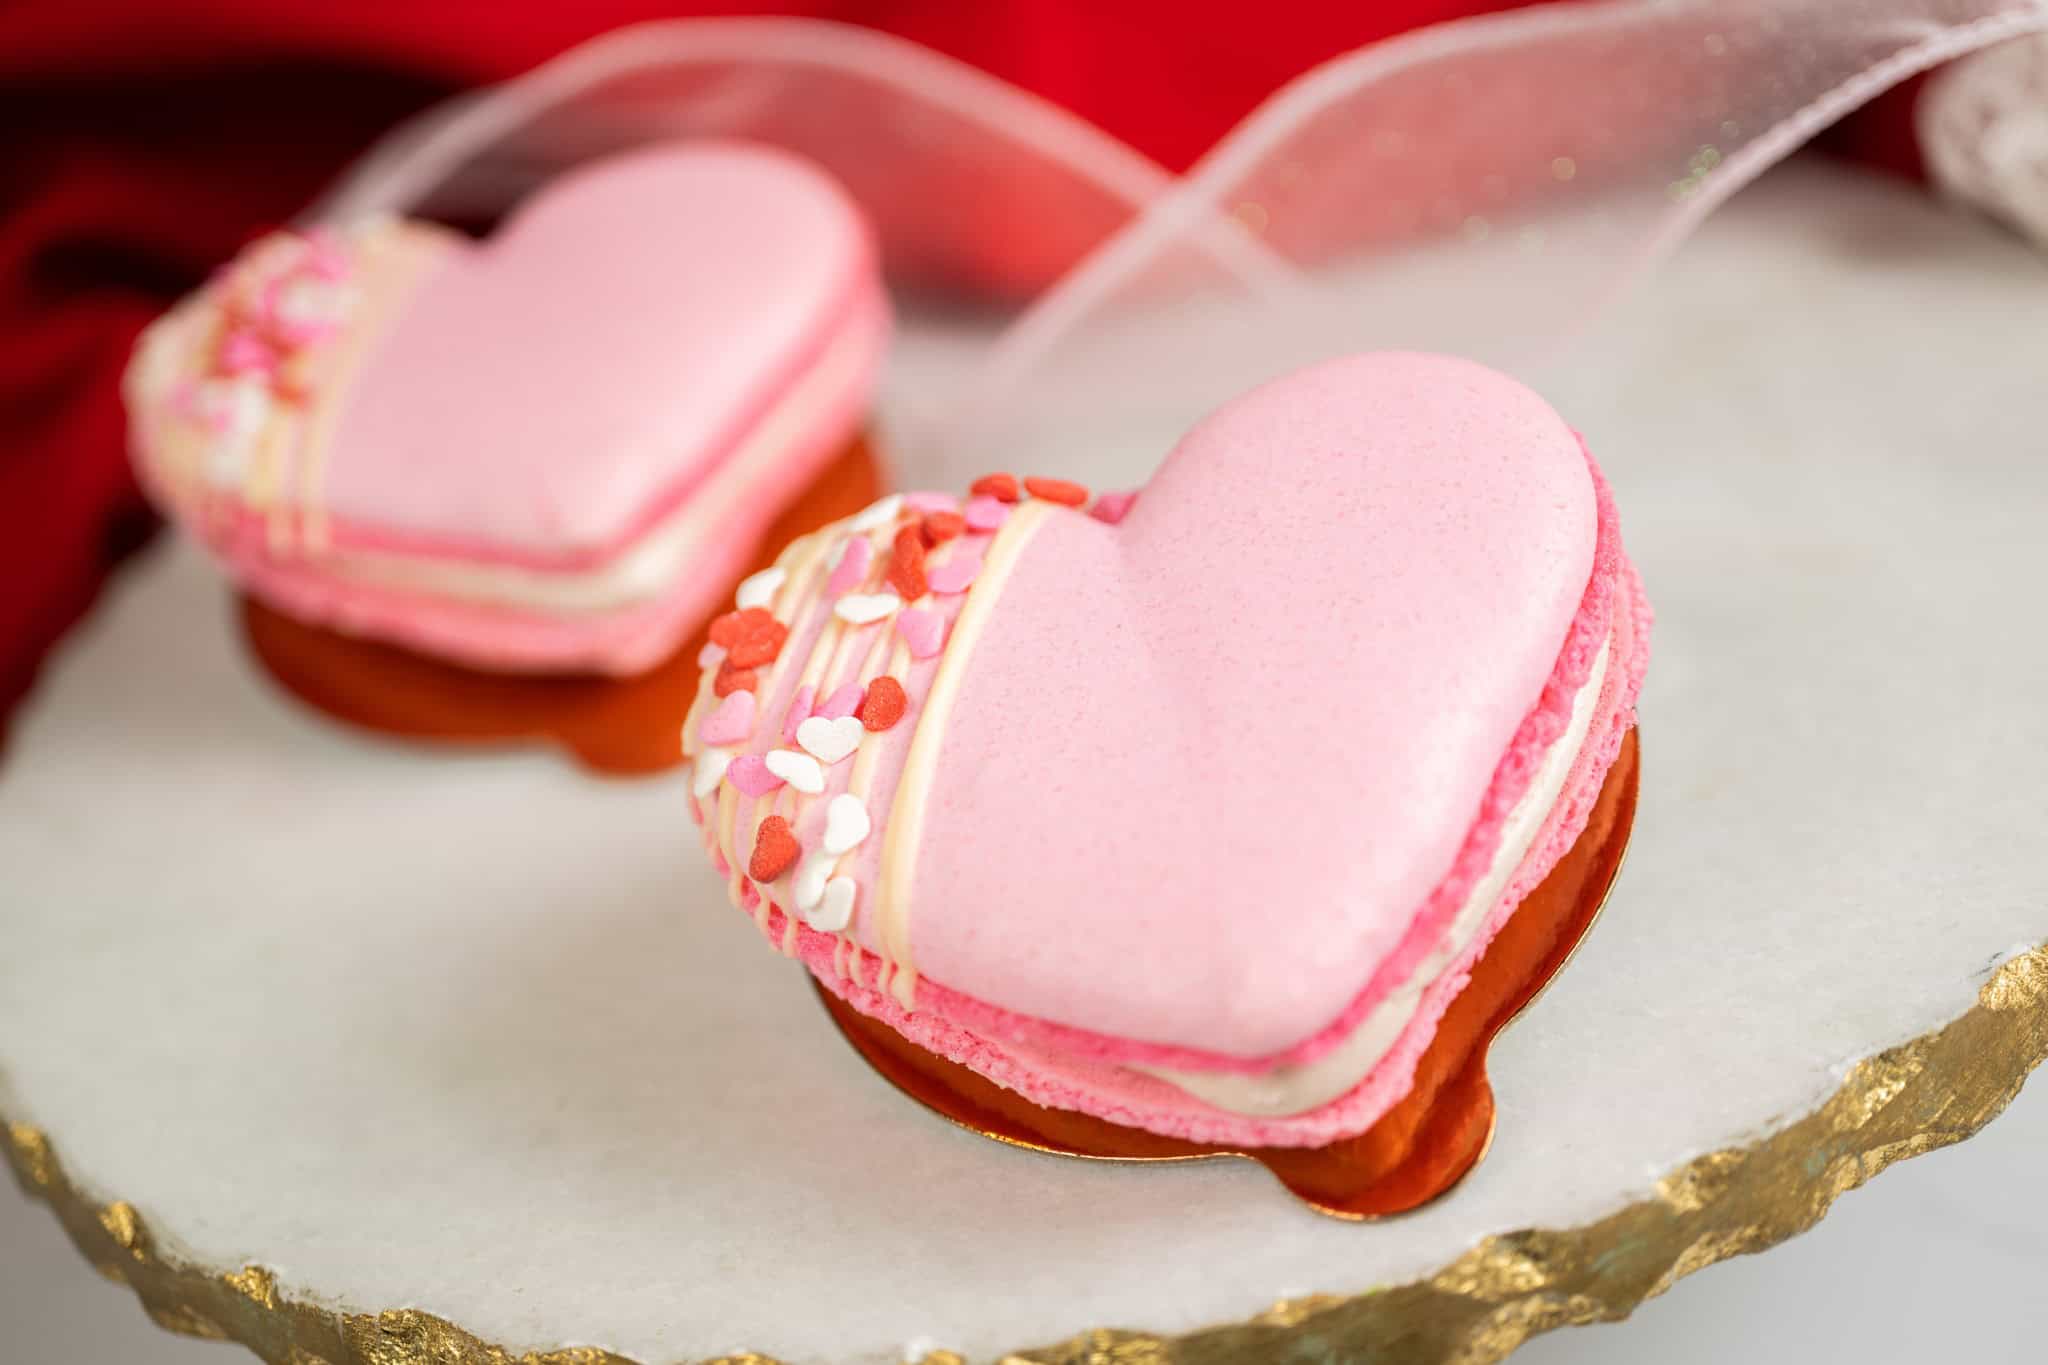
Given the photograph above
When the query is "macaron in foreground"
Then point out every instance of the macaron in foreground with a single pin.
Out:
(1189, 811)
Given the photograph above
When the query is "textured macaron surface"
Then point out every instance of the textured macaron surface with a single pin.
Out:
(551, 391)
(1205, 768)
(550, 450)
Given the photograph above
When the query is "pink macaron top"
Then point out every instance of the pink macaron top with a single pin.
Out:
(1205, 768)
(1195, 780)
(548, 450)
(597, 356)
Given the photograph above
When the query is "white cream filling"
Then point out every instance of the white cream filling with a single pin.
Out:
(1298, 1089)
(651, 566)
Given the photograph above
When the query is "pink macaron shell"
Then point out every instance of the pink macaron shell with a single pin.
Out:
(505, 637)
(546, 402)
(1546, 720)
(1048, 1071)
(1395, 464)
(598, 356)
(1331, 652)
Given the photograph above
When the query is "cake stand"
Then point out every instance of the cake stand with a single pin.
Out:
(361, 1054)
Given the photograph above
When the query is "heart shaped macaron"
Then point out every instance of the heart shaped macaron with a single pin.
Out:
(551, 451)
(1203, 803)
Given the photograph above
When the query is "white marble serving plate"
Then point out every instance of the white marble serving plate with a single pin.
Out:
(477, 1034)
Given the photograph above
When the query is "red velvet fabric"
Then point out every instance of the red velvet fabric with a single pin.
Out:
(147, 139)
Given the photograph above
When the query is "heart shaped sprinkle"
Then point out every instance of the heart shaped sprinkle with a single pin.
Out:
(1056, 490)
(940, 527)
(1001, 487)
(243, 352)
(923, 631)
(799, 712)
(750, 638)
(808, 887)
(931, 501)
(862, 608)
(985, 514)
(844, 701)
(884, 704)
(709, 771)
(731, 722)
(798, 770)
(955, 574)
(835, 907)
(775, 848)
(906, 564)
(829, 741)
(758, 590)
(750, 775)
(876, 513)
(846, 823)
(731, 680)
(1112, 507)
(850, 568)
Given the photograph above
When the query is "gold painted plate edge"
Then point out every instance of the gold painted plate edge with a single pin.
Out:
(1924, 1094)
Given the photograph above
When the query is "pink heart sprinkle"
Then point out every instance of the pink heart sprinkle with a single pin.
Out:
(799, 712)
(844, 701)
(955, 574)
(749, 773)
(732, 722)
(923, 631)
(931, 502)
(1112, 507)
(244, 352)
(985, 513)
(851, 568)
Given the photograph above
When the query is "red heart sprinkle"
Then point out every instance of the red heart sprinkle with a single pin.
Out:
(884, 704)
(730, 680)
(906, 565)
(775, 850)
(749, 638)
(940, 527)
(1056, 490)
(1001, 487)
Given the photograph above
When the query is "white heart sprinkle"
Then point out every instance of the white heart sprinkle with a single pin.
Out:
(809, 886)
(798, 770)
(758, 590)
(709, 772)
(875, 513)
(829, 741)
(835, 910)
(846, 823)
(236, 407)
(859, 608)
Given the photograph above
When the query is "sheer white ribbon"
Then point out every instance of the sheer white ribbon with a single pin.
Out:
(1486, 186)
